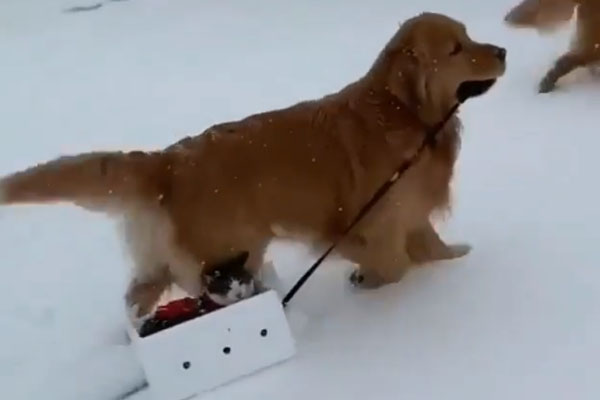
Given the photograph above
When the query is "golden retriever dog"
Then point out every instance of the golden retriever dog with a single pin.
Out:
(547, 15)
(301, 172)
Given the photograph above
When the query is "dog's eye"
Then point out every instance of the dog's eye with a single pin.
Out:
(457, 49)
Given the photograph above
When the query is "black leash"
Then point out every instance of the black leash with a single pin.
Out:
(429, 141)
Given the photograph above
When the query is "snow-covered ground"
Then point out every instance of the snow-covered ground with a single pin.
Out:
(516, 319)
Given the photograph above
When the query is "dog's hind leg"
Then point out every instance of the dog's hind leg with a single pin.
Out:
(147, 235)
(144, 292)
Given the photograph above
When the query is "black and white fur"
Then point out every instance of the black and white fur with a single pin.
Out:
(230, 282)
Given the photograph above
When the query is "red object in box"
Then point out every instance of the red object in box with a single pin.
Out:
(178, 309)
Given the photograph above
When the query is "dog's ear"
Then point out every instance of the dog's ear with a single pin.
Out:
(406, 76)
(407, 61)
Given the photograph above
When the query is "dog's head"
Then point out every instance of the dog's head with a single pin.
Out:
(543, 15)
(432, 62)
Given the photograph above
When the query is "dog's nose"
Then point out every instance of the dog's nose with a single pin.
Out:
(500, 52)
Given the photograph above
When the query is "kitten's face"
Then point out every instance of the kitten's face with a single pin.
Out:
(229, 284)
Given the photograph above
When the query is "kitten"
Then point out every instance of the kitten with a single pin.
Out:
(229, 282)
(225, 283)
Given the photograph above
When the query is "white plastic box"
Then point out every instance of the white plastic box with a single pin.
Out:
(214, 349)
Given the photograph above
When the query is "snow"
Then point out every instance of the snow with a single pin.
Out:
(516, 319)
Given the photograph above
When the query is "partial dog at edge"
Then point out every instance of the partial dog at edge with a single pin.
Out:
(302, 171)
(547, 15)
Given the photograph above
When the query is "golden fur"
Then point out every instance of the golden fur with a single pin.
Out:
(302, 171)
(546, 15)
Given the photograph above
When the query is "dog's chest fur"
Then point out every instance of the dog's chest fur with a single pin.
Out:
(426, 184)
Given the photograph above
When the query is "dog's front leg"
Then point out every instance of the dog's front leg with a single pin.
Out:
(564, 65)
(380, 260)
(424, 244)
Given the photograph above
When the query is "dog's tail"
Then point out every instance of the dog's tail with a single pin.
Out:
(544, 15)
(96, 180)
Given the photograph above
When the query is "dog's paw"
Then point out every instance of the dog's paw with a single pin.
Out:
(460, 250)
(356, 278)
(363, 280)
(546, 86)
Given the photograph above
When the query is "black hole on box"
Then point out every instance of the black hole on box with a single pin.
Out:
(226, 350)
(187, 365)
(264, 333)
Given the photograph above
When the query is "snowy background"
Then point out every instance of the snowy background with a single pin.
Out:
(516, 319)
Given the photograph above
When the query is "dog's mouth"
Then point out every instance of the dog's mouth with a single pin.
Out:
(469, 89)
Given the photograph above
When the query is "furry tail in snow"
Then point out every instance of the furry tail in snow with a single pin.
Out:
(545, 15)
(93, 180)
